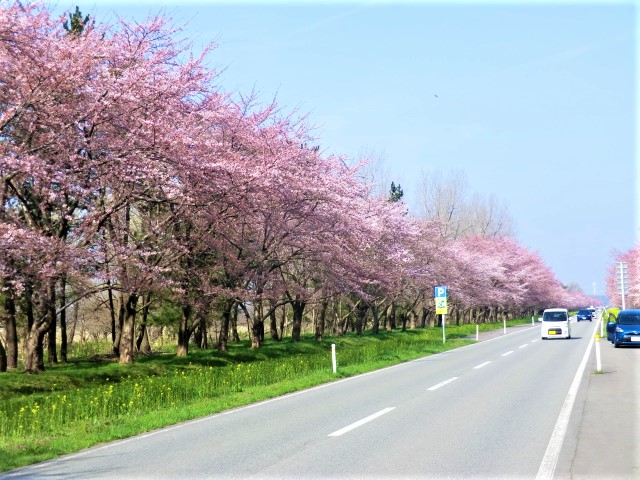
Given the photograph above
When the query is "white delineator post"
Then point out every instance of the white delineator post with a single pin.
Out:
(333, 357)
(598, 361)
(601, 324)
(477, 332)
(505, 326)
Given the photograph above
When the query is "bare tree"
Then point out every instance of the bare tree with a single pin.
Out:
(375, 173)
(490, 217)
(445, 199)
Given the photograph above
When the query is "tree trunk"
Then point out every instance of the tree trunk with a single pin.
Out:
(223, 338)
(11, 353)
(112, 312)
(375, 325)
(361, 312)
(296, 325)
(187, 328)
(283, 320)
(28, 307)
(72, 332)
(202, 342)
(391, 317)
(184, 333)
(321, 320)
(273, 322)
(234, 324)
(33, 361)
(34, 345)
(63, 320)
(34, 354)
(52, 356)
(3, 357)
(142, 342)
(128, 330)
(122, 311)
(256, 328)
(344, 328)
(422, 317)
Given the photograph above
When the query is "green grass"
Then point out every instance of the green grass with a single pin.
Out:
(90, 401)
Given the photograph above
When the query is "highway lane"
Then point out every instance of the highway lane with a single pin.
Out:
(484, 411)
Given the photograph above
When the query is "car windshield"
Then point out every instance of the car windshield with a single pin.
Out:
(629, 319)
(554, 317)
(584, 312)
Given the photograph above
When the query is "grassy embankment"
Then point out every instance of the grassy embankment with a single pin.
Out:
(92, 400)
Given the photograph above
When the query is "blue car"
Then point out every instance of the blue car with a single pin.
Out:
(625, 330)
(584, 314)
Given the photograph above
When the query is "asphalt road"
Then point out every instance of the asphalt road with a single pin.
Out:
(489, 410)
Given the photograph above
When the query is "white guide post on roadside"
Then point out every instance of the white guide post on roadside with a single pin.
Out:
(601, 324)
(598, 361)
(333, 357)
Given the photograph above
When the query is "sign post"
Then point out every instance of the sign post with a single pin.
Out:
(440, 294)
(622, 281)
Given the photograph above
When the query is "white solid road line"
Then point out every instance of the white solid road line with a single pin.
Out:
(357, 424)
(481, 365)
(507, 353)
(548, 465)
(442, 384)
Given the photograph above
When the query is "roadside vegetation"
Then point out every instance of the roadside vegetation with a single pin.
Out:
(91, 400)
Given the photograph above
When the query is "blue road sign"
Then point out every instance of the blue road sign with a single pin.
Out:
(441, 292)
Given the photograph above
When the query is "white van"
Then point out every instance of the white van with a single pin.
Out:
(555, 323)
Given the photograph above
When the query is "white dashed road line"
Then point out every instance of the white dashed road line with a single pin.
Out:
(442, 384)
(359, 423)
(481, 365)
(507, 353)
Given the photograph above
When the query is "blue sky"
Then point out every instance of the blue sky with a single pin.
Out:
(536, 104)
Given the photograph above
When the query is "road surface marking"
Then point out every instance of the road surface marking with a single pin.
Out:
(507, 353)
(442, 384)
(359, 423)
(481, 365)
(534, 341)
(525, 345)
(548, 465)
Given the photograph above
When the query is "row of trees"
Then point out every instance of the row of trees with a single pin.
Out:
(128, 175)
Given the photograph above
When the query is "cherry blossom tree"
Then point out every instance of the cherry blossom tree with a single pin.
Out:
(84, 123)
